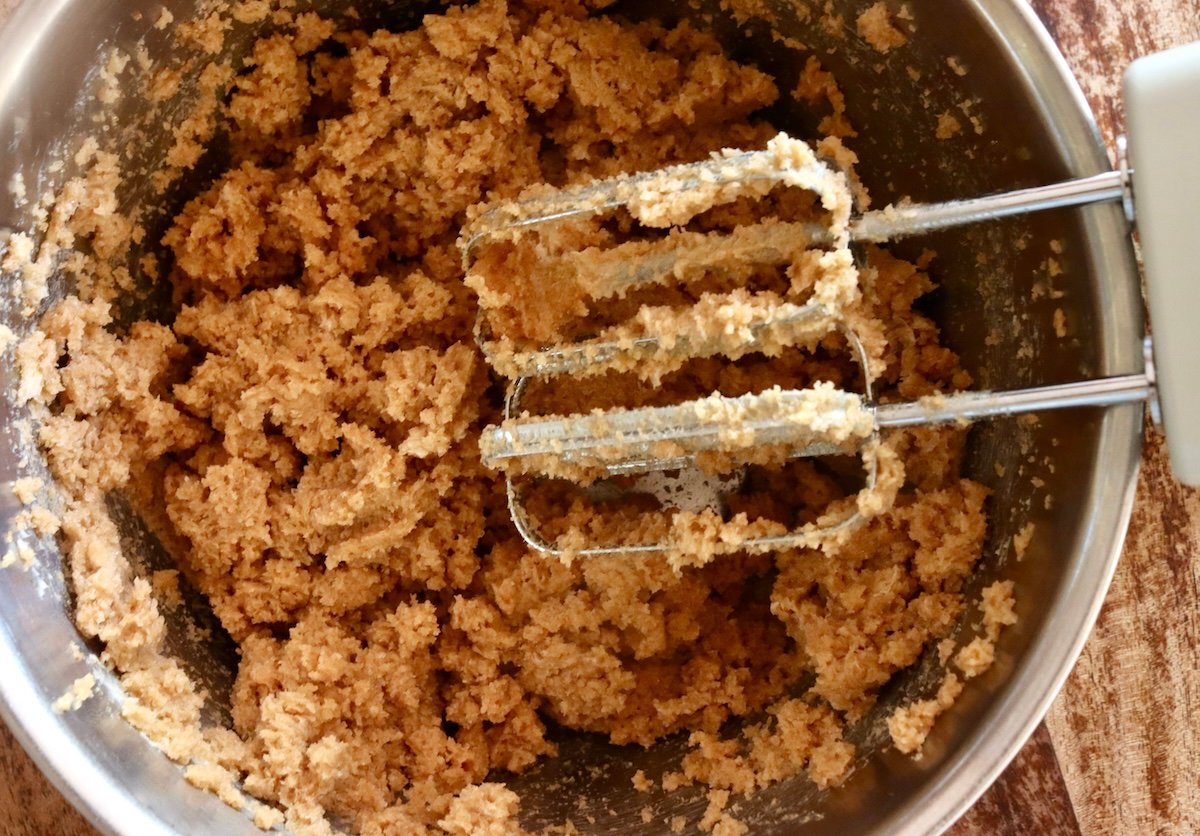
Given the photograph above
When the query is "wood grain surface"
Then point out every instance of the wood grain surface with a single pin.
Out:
(1119, 752)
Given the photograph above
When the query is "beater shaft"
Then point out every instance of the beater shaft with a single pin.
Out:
(971, 406)
(899, 221)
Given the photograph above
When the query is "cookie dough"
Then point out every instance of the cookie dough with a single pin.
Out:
(303, 436)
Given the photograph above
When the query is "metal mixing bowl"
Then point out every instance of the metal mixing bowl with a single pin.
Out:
(1035, 128)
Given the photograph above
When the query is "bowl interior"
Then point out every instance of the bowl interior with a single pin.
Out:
(985, 63)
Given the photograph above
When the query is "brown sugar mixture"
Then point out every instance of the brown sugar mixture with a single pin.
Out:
(304, 437)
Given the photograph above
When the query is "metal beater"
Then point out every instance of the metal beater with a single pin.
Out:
(658, 439)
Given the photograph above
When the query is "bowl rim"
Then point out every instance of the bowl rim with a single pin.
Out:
(1041, 673)
(1029, 692)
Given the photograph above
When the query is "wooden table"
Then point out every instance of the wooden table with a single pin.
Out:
(1119, 752)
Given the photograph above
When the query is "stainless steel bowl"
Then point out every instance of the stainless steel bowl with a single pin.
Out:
(1035, 128)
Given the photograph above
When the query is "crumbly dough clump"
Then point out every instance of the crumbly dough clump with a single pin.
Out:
(303, 435)
(875, 26)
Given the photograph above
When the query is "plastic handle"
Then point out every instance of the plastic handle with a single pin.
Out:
(1162, 100)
